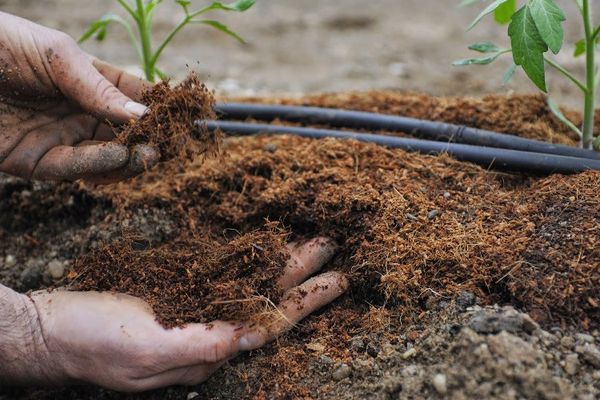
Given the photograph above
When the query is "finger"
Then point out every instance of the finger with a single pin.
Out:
(141, 159)
(67, 131)
(130, 85)
(80, 81)
(306, 258)
(72, 163)
(296, 305)
(104, 132)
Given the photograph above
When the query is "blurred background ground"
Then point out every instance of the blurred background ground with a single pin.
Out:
(297, 47)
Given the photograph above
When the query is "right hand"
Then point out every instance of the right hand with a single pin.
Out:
(56, 103)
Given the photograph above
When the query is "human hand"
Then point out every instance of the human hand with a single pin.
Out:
(114, 341)
(55, 102)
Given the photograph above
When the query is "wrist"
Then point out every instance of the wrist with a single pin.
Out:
(24, 356)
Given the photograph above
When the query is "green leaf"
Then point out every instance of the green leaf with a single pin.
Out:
(183, 3)
(548, 18)
(219, 26)
(488, 10)
(528, 46)
(484, 47)
(97, 29)
(504, 12)
(240, 5)
(579, 48)
(509, 73)
(478, 61)
(558, 114)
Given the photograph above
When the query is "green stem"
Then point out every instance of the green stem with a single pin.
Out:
(566, 73)
(147, 63)
(590, 95)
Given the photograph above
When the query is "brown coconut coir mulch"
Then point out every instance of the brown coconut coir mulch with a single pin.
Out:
(411, 228)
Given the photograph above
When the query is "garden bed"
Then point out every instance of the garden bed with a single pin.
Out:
(418, 235)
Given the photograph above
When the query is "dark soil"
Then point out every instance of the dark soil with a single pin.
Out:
(414, 232)
(169, 123)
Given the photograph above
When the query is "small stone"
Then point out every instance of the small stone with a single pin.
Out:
(192, 395)
(410, 370)
(507, 319)
(31, 278)
(342, 372)
(590, 354)
(56, 269)
(571, 364)
(357, 344)
(446, 195)
(567, 342)
(326, 360)
(271, 147)
(10, 261)
(409, 353)
(584, 338)
(439, 383)
(433, 213)
(465, 300)
(410, 216)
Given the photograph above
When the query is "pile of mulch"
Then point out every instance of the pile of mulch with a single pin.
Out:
(169, 123)
(413, 231)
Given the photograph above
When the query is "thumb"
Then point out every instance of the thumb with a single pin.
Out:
(78, 79)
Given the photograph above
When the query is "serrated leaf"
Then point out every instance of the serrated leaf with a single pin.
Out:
(219, 26)
(558, 114)
(528, 46)
(488, 10)
(478, 61)
(484, 47)
(548, 18)
(504, 12)
(509, 73)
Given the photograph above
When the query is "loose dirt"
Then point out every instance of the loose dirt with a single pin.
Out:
(169, 124)
(418, 235)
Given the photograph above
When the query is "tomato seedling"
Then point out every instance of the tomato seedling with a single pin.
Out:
(534, 29)
(142, 13)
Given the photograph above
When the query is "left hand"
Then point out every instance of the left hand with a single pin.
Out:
(113, 340)
(55, 102)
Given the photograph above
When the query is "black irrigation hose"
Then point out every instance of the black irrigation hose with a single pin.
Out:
(430, 130)
(488, 157)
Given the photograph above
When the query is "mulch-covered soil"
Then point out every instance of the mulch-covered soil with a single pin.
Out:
(413, 230)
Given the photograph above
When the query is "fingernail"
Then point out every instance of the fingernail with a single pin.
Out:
(250, 341)
(136, 108)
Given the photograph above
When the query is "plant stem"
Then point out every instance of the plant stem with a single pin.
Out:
(146, 42)
(590, 71)
(566, 73)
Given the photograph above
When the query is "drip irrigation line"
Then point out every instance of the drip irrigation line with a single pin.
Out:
(487, 157)
(431, 130)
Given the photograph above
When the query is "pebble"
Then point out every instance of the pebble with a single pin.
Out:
(589, 353)
(433, 213)
(192, 395)
(465, 300)
(56, 269)
(446, 195)
(357, 344)
(342, 372)
(409, 353)
(571, 364)
(31, 277)
(440, 384)
(271, 147)
(507, 319)
(10, 261)
(567, 342)
(584, 338)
